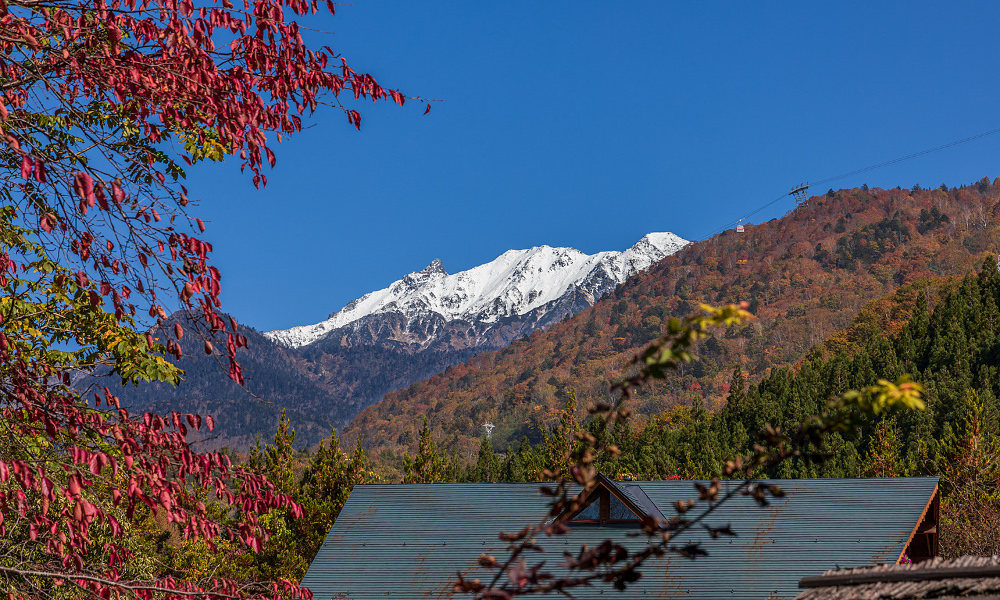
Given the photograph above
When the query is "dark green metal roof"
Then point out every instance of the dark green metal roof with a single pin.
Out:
(408, 541)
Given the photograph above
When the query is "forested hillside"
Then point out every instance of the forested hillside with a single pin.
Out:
(319, 387)
(952, 350)
(275, 379)
(806, 276)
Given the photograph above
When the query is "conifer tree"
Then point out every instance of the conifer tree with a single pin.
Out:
(428, 466)
(560, 442)
(883, 457)
(325, 486)
(326, 482)
(276, 460)
(487, 467)
(522, 465)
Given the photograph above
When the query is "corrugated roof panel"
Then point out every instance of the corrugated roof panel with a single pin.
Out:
(408, 541)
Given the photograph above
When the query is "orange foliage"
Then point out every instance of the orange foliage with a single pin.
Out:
(806, 277)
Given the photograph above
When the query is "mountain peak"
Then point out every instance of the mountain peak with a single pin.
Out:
(436, 266)
(663, 241)
(512, 285)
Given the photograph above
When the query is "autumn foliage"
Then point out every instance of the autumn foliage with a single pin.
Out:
(805, 276)
(101, 105)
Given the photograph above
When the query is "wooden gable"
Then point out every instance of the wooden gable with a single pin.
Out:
(611, 502)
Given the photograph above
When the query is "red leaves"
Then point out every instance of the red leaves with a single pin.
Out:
(152, 65)
(74, 486)
(83, 185)
(236, 372)
(178, 331)
(117, 193)
(97, 462)
(428, 109)
(102, 200)
(354, 118)
(30, 166)
(48, 222)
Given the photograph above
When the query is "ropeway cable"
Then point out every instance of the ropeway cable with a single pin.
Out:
(880, 165)
(908, 156)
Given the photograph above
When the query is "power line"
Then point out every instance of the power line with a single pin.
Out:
(880, 165)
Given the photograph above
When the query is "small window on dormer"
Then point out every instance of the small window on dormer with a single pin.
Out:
(605, 507)
(592, 512)
(618, 511)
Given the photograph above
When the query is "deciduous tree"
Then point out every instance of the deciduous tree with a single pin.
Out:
(102, 103)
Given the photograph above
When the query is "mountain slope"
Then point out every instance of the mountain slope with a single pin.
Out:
(275, 380)
(805, 276)
(326, 373)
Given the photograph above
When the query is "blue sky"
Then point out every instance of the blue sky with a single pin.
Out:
(589, 124)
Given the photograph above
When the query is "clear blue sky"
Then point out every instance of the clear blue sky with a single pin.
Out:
(589, 124)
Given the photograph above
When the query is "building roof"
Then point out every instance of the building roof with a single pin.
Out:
(967, 577)
(408, 541)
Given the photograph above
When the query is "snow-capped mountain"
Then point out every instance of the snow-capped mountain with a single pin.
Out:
(486, 306)
(325, 374)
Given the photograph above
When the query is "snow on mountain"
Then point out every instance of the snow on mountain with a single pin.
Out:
(515, 283)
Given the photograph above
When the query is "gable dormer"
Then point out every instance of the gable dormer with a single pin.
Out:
(612, 502)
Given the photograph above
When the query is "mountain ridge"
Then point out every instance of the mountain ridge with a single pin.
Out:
(514, 284)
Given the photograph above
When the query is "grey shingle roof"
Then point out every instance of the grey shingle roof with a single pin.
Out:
(966, 577)
(408, 541)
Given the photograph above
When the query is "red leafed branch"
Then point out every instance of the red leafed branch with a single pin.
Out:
(101, 103)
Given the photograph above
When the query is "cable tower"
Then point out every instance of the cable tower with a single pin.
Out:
(799, 193)
(489, 430)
